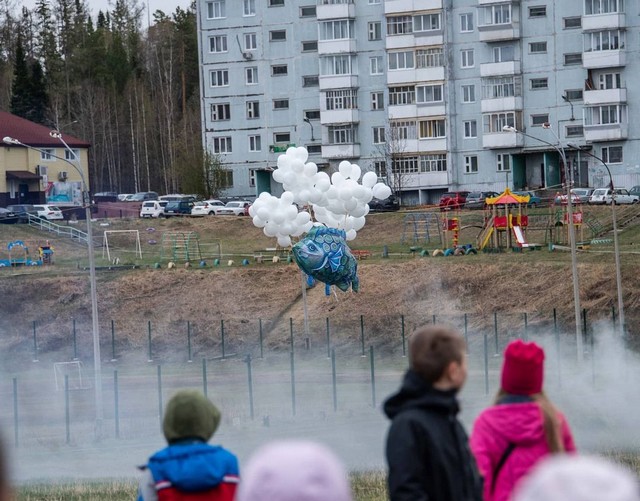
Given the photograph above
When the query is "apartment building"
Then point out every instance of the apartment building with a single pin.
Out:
(433, 95)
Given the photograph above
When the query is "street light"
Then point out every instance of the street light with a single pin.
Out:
(92, 271)
(572, 235)
(616, 248)
(310, 125)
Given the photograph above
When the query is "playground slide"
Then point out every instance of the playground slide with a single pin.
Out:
(517, 231)
(485, 239)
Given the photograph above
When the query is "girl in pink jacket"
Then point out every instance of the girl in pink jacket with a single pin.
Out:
(522, 427)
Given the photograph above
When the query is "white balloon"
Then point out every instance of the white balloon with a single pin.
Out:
(291, 151)
(286, 229)
(291, 212)
(277, 217)
(270, 229)
(344, 192)
(283, 161)
(272, 203)
(310, 169)
(381, 191)
(289, 178)
(307, 226)
(302, 153)
(355, 172)
(337, 178)
(332, 193)
(297, 166)
(361, 192)
(323, 184)
(258, 222)
(287, 198)
(358, 223)
(304, 195)
(321, 175)
(345, 168)
(350, 205)
(314, 195)
(264, 213)
(359, 211)
(252, 210)
(302, 218)
(351, 235)
(265, 195)
(278, 175)
(284, 241)
(369, 179)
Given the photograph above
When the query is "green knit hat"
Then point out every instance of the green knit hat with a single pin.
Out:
(189, 414)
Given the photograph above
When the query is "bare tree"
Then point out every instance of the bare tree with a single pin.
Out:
(391, 161)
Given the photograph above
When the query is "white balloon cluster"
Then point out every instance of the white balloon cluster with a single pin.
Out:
(339, 201)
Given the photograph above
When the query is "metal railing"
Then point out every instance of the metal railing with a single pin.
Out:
(58, 229)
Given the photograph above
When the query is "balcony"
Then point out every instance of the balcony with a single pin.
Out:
(604, 59)
(403, 111)
(499, 32)
(345, 46)
(335, 11)
(605, 96)
(501, 104)
(598, 22)
(403, 6)
(431, 109)
(339, 116)
(489, 2)
(429, 145)
(341, 150)
(417, 39)
(502, 140)
(499, 69)
(427, 180)
(413, 75)
(605, 132)
(337, 81)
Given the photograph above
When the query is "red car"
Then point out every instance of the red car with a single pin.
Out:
(453, 200)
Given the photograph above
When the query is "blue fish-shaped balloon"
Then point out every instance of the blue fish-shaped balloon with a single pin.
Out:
(324, 255)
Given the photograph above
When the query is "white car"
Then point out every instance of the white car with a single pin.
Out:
(153, 208)
(206, 208)
(49, 212)
(621, 196)
(234, 208)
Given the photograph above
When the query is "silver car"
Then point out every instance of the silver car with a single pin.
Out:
(621, 196)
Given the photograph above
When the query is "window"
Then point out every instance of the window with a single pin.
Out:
(251, 75)
(498, 87)
(574, 131)
(403, 129)
(250, 41)
(278, 35)
(603, 6)
(538, 48)
(470, 164)
(503, 162)
(380, 168)
(609, 81)
(605, 114)
(220, 112)
(466, 58)
(74, 154)
(376, 65)
(310, 46)
(612, 154)
(399, 25)
(218, 43)
(503, 53)
(573, 94)
(310, 81)
(282, 137)
(255, 143)
(468, 93)
(346, 99)
(429, 58)
(222, 145)
(308, 11)
(216, 9)
(314, 149)
(604, 40)
(224, 178)
(429, 93)
(538, 120)
(278, 70)
(276, 3)
(495, 14)
(402, 95)
(570, 23)
(436, 162)
(539, 83)
(47, 154)
(343, 134)
(431, 129)
(405, 165)
(426, 22)
(378, 135)
(470, 129)
(538, 11)
(466, 22)
(280, 104)
(252, 178)
(377, 100)
(494, 122)
(253, 109)
(374, 2)
(337, 64)
(572, 58)
(374, 29)
(341, 29)
(248, 7)
(401, 60)
(312, 114)
(219, 78)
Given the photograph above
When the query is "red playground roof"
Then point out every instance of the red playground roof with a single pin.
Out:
(507, 198)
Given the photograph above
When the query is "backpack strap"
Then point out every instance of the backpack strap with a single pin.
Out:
(503, 460)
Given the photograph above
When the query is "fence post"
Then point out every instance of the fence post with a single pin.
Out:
(466, 332)
(404, 342)
(35, 343)
(149, 359)
(189, 360)
(291, 333)
(328, 339)
(66, 409)
(433, 319)
(75, 341)
(495, 332)
(261, 338)
(15, 412)
(526, 327)
(486, 363)
(222, 338)
(613, 317)
(373, 378)
(113, 342)
(333, 379)
(293, 383)
(160, 393)
(584, 324)
(250, 381)
(556, 333)
(362, 335)
(116, 403)
(204, 376)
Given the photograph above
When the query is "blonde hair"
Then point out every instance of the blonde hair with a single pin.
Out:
(551, 419)
(432, 349)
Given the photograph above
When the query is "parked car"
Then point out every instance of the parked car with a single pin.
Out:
(453, 200)
(234, 208)
(387, 205)
(142, 196)
(621, 196)
(635, 191)
(49, 212)
(105, 196)
(7, 217)
(125, 197)
(206, 208)
(579, 196)
(534, 200)
(182, 208)
(153, 208)
(22, 211)
(176, 197)
(476, 199)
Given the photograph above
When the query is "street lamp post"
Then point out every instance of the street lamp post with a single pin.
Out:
(572, 235)
(92, 272)
(310, 125)
(616, 248)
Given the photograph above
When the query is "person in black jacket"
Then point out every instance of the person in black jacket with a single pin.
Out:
(427, 448)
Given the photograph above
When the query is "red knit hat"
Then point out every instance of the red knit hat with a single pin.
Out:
(523, 368)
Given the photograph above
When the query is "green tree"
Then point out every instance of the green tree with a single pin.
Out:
(21, 103)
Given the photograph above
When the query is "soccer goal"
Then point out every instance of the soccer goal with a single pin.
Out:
(72, 370)
(118, 244)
